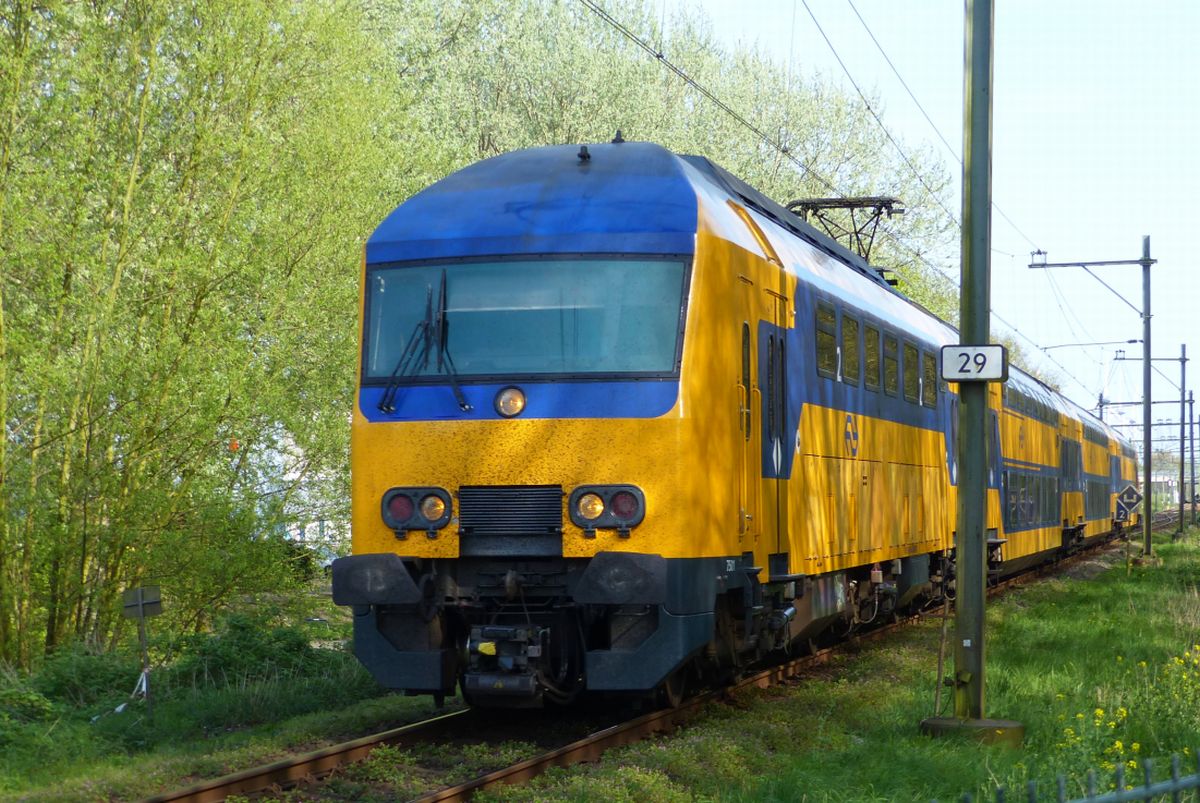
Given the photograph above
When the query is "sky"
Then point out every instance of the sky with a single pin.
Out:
(1094, 146)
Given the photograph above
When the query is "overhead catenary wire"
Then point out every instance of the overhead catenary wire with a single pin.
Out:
(1017, 332)
(928, 119)
(871, 110)
(1067, 312)
(765, 138)
(703, 90)
(828, 185)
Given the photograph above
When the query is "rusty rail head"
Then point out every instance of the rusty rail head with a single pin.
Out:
(289, 771)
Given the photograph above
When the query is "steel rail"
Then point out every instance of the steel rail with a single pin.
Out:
(314, 765)
(291, 771)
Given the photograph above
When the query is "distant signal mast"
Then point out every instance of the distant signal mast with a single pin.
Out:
(864, 218)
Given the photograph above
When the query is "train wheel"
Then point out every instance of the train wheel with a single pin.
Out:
(673, 690)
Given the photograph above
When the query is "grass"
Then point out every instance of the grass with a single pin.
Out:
(1102, 672)
(105, 774)
(247, 695)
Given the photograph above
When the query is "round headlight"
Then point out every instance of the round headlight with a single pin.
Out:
(433, 508)
(510, 402)
(590, 506)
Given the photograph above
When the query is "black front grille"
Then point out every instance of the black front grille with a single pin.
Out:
(510, 510)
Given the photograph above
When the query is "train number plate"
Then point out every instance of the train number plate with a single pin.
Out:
(974, 363)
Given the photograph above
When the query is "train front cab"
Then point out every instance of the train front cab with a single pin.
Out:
(516, 615)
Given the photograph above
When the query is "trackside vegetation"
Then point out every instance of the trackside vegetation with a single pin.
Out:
(249, 693)
(1102, 667)
(1102, 671)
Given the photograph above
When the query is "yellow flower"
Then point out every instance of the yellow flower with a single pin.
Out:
(1142, 664)
(1079, 716)
(1120, 658)
(1099, 713)
(1117, 745)
(1112, 725)
(1135, 747)
(1122, 712)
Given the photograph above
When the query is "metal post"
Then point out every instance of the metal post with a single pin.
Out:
(145, 666)
(1100, 406)
(1147, 548)
(1182, 431)
(1192, 438)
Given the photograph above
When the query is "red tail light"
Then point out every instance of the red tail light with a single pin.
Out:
(400, 508)
(624, 505)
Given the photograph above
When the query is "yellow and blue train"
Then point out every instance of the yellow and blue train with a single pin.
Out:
(623, 421)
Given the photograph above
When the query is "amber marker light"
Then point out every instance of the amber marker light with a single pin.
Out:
(433, 508)
(510, 402)
(590, 506)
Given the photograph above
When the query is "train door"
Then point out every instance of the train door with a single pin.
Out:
(777, 422)
(749, 476)
(1114, 475)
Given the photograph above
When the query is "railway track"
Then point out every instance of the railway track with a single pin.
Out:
(317, 764)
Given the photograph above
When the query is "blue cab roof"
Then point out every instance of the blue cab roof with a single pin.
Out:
(548, 200)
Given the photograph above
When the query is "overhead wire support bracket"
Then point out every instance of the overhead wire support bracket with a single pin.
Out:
(1038, 261)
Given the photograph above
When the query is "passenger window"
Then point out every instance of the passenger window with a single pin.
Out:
(912, 380)
(850, 361)
(891, 365)
(928, 380)
(827, 356)
(872, 355)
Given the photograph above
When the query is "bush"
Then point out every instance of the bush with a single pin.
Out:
(79, 677)
(245, 650)
(22, 704)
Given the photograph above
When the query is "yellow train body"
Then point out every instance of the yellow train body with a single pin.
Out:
(802, 473)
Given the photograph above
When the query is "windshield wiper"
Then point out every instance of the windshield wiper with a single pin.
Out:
(432, 332)
(415, 356)
(442, 338)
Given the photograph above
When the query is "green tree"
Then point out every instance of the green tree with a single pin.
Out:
(185, 188)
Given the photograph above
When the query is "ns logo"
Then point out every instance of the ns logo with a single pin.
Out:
(851, 436)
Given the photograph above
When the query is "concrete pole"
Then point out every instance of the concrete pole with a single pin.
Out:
(971, 543)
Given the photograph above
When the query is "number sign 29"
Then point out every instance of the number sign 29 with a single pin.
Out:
(974, 363)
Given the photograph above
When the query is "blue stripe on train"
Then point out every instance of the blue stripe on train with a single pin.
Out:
(644, 398)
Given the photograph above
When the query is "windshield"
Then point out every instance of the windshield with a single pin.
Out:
(552, 316)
